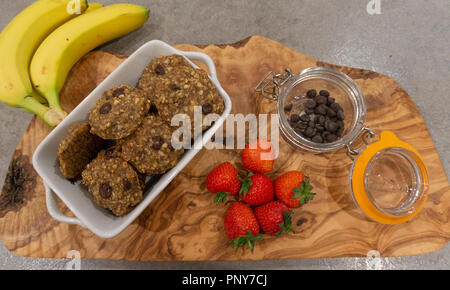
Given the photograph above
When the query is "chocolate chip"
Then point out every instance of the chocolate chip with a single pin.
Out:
(321, 120)
(330, 100)
(126, 184)
(331, 126)
(309, 132)
(331, 113)
(321, 110)
(157, 142)
(207, 108)
(309, 111)
(105, 190)
(174, 87)
(310, 104)
(335, 107)
(153, 109)
(302, 125)
(288, 108)
(293, 125)
(159, 70)
(304, 118)
(340, 115)
(321, 100)
(324, 93)
(118, 92)
(320, 128)
(340, 131)
(317, 139)
(311, 124)
(105, 108)
(331, 138)
(295, 118)
(311, 93)
(340, 124)
(109, 153)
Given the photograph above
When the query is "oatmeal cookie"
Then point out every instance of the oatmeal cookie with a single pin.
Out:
(115, 151)
(158, 69)
(77, 150)
(113, 183)
(118, 112)
(149, 149)
(179, 89)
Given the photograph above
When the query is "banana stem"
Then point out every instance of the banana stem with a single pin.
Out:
(51, 116)
(38, 97)
(56, 112)
(52, 97)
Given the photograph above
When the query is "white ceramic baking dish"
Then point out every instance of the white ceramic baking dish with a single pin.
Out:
(75, 196)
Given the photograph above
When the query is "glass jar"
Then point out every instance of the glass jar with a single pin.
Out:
(388, 178)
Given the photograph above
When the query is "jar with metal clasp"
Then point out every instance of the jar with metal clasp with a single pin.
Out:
(388, 179)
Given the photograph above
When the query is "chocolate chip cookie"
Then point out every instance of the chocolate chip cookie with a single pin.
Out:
(158, 69)
(118, 112)
(179, 90)
(149, 149)
(77, 150)
(113, 183)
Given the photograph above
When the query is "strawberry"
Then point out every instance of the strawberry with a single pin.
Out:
(258, 156)
(256, 189)
(293, 189)
(241, 226)
(223, 181)
(274, 218)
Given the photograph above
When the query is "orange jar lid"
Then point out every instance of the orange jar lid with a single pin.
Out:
(389, 180)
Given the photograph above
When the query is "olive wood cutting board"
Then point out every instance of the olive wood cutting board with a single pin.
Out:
(183, 223)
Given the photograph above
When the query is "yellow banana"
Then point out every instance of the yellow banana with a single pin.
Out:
(92, 7)
(71, 41)
(18, 42)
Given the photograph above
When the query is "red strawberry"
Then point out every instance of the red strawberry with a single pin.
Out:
(293, 189)
(223, 181)
(256, 189)
(241, 225)
(274, 218)
(258, 156)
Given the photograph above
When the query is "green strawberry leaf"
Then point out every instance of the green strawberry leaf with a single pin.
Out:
(221, 197)
(304, 191)
(249, 239)
(245, 187)
(286, 225)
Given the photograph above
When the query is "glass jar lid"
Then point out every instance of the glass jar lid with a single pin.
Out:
(389, 180)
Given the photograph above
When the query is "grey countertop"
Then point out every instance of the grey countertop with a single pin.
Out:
(409, 41)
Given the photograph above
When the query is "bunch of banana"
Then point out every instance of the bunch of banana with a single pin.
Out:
(18, 42)
(34, 94)
(54, 40)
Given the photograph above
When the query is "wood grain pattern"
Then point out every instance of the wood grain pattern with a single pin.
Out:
(183, 224)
